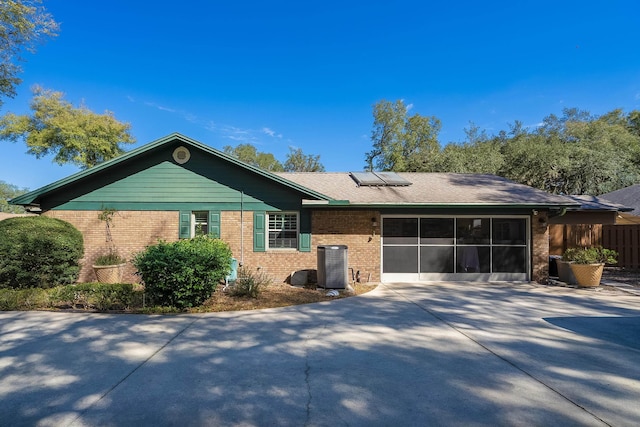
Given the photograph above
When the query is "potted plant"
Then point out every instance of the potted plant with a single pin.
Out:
(108, 267)
(587, 264)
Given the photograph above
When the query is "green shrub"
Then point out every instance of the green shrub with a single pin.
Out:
(24, 299)
(100, 296)
(110, 258)
(39, 252)
(249, 283)
(183, 273)
(590, 255)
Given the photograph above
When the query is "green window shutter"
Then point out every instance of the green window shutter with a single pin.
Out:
(214, 224)
(185, 225)
(304, 238)
(259, 231)
(304, 242)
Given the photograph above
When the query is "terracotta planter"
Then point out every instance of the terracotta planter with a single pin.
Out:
(587, 275)
(109, 273)
(564, 272)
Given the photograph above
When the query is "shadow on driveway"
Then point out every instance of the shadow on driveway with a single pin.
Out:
(403, 354)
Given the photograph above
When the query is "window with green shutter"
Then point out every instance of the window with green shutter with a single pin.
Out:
(199, 223)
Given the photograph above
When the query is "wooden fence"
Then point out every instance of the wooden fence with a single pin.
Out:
(624, 239)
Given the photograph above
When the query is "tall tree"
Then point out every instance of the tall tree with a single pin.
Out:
(297, 161)
(23, 24)
(250, 155)
(402, 142)
(8, 192)
(576, 153)
(74, 135)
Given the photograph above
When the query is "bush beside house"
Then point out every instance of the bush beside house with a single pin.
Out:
(183, 273)
(39, 252)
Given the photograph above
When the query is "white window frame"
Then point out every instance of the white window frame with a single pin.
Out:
(194, 223)
(269, 230)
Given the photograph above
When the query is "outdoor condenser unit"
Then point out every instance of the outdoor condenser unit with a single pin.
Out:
(332, 267)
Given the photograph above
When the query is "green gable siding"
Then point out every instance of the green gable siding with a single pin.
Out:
(154, 182)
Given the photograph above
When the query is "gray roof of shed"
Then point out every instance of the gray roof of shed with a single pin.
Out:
(431, 189)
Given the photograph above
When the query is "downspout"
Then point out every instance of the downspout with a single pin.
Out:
(241, 228)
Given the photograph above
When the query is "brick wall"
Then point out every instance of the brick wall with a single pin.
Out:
(131, 232)
(351, 228)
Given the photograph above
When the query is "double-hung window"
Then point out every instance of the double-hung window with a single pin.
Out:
(283, 230)
(199, 223)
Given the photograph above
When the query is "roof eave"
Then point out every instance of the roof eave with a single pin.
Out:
(347, 203)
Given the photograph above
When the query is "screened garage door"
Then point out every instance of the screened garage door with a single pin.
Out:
(460, 248)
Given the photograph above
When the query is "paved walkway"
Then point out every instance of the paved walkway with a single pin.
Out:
(436, 354)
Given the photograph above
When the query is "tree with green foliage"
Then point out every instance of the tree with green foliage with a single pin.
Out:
(8, 192)
(401, 142)
(23, 24)
(250, 155)
(576, 153)
(297, 161)
(74, 135)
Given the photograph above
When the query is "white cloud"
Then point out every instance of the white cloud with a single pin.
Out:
(271, 132)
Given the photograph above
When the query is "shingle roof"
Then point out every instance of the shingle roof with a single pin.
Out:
(430, 189)
(628, 196)
(593, 203)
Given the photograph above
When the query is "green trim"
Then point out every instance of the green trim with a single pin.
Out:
(165, 206)
(184, 231)
(214, 224)
(259, 231)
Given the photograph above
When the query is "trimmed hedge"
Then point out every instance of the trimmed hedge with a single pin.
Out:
(39, 252)
(184, 273)
(98, 296)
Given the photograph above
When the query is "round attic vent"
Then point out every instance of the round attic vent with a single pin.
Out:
(181, 155)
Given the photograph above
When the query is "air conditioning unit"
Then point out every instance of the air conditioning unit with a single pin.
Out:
(333, 267)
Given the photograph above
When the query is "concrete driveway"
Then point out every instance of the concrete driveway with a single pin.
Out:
(436, 354)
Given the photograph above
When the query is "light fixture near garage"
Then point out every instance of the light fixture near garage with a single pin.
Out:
(181, 155)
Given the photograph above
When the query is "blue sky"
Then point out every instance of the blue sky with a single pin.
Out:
(301, 74)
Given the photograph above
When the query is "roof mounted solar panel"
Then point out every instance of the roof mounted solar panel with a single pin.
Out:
(366, 179)
(379, 179)
(392, 179)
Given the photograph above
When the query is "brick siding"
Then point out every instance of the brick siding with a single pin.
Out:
(540, 247)
(132, 231)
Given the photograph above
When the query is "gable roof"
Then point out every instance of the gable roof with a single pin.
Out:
(430, 189)
(32, 197)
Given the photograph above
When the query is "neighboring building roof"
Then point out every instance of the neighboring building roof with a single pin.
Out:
(6, 215)
(628, 196)
(430, 189)
(593, 203)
